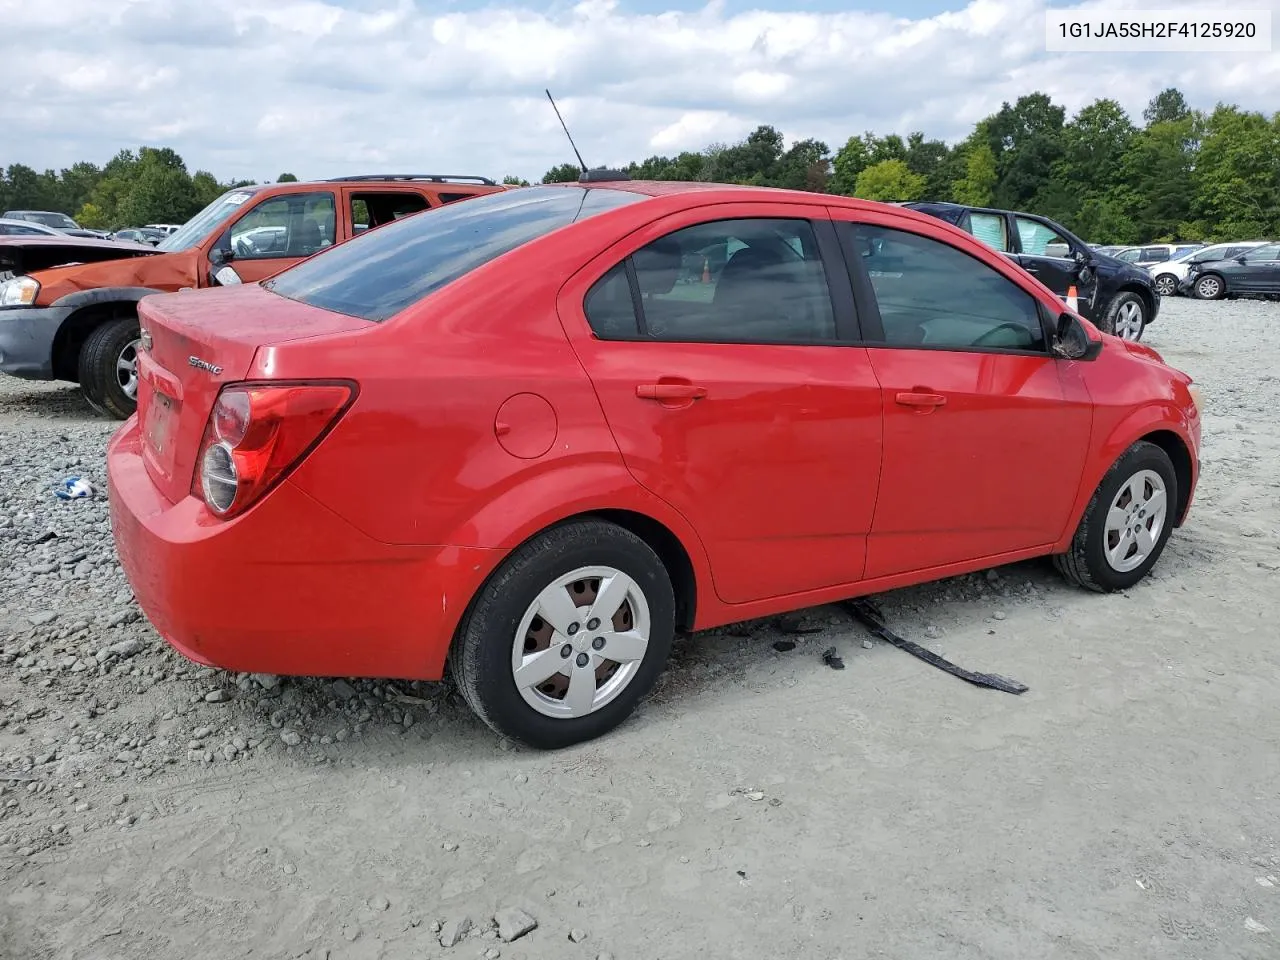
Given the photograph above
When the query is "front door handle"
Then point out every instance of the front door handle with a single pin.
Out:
(928, 400)
(670, 391)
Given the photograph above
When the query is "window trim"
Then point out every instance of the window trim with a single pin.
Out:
(869, 307)
(840, 291)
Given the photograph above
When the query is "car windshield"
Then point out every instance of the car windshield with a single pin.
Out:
(58, 220)
(384, 270)
(204, 222)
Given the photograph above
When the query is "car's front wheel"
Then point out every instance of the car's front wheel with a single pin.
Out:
(109, 368)
(1210, 287)
(1166, 284)
(1126, 524)
(1126, 316)
(567, 636)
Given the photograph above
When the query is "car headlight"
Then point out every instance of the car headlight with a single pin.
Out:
(1197, 397)
(18, 292)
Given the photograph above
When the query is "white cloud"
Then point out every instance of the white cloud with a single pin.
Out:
(323, 88)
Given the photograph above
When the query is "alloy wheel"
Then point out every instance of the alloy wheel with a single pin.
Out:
(581, 642)
(1166, 285)
(1129, 320)
(1209, 288)
(127, 369)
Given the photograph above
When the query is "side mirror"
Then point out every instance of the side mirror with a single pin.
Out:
(1071, 340)
(225, 276)
(220, 255)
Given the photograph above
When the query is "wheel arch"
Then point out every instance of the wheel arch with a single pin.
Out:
(90, 309)
(1148, 297)
(1160, 423)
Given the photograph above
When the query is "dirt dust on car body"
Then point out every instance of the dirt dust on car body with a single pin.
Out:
(759, 804)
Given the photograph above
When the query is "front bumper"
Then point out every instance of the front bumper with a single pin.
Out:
(288, 587)
(26, 340)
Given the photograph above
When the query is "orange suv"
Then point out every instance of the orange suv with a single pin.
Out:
(78, 321)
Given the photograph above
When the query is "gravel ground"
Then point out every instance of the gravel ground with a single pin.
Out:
(760, 804)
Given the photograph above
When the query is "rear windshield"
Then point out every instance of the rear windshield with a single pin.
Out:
(386, 269)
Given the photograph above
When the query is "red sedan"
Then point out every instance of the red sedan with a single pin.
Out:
(535, 434)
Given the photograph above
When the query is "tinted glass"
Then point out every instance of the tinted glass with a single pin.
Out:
(736, 281)
(381, 272)
(933, 295)
(1154, 254)
(609, 307)
(1269, 252)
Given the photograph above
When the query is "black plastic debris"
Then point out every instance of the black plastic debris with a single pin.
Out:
(800, 625)
(784, 646)
(832, 659)
(871, 617)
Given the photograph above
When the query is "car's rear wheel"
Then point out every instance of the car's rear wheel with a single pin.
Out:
(108, 368)
(1126, 524)
(1126, 316)
(1210, 287)
(567, 636)
(1166, 284)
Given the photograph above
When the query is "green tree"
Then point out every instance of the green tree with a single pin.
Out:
(1157, 187)
(1237, 174)
(286, 178)
(1026, 140)
(849, 161)
(1167, 106)
(207, 188)
(90, 216)
(890, 180)
(564, 173)
(978, 185)
(514, 181)
(1090, 169)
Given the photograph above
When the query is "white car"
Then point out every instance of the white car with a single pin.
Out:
(1168, 275)
(162, 227)
(1154, 253)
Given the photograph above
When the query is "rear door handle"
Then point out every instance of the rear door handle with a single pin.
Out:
(670, 391)
(921, 399)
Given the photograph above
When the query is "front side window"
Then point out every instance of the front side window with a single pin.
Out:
(1129, 256)
(991, 228)
(932, 295)
(292, 225)
(729, 281)
(1270, 251)
(1040, 240)
(381, 272)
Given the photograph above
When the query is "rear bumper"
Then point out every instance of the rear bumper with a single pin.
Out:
(287, 588)
(26, 340)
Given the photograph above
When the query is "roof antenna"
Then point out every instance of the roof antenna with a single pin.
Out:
(582, 165)
(587, 176)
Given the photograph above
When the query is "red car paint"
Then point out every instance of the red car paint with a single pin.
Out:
(488, 411)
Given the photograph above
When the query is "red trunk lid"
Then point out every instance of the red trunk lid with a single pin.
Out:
(200, 340)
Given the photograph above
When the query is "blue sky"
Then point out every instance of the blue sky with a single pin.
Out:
(330, 87)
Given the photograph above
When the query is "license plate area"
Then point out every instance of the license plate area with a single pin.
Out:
(157, 429)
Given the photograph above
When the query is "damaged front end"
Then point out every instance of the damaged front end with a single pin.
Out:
(23, 255)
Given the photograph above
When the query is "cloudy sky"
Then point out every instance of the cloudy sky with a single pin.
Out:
(250, 88)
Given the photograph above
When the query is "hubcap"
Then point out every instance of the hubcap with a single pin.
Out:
(581, 642)
(1165, 286)
(127, 369)
(1135, 521)
(1209, 287)
(1129, 320)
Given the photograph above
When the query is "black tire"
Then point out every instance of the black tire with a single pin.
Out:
(1126, 301)
(480, 658)
(1085, 564)
(1166, 285)
(1215, 289)
(99, 381)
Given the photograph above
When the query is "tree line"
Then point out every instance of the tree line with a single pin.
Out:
(1180, 174)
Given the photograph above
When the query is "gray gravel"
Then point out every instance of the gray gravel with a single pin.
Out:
(1125, 806)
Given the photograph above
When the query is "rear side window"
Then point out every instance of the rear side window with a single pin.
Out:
(991, 228)
(728, 281)
(1040, 240)
(381, 272)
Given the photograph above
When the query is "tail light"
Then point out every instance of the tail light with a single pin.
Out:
(257, 433)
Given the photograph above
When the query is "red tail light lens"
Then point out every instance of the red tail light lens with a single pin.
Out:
(257, 433)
